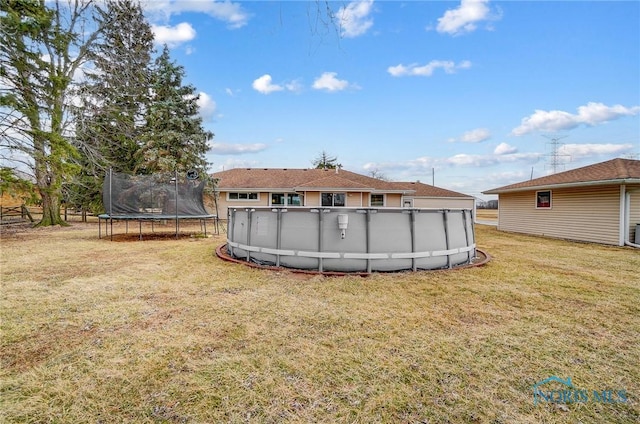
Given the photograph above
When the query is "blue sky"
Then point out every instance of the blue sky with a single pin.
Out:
(474, 90)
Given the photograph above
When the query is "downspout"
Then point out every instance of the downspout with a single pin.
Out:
(627, 219)
(474, 212)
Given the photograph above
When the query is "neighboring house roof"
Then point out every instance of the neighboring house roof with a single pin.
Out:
(426, 190)
(334, 182)
(274, 179)
(614, 171)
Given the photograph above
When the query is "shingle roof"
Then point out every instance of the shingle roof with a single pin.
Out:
(611, 171)
(334, 181)
(270, 179)
(426, 190)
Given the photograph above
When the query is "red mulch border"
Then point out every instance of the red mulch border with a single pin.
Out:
(222, 253)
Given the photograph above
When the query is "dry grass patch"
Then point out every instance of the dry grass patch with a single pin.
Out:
(163, 331)
(491, 214)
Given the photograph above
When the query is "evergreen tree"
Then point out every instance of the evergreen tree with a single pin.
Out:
(325, 161)
(117, 93)
(174, 139)
(114, 100)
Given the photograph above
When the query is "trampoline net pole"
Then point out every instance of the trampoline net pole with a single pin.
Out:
(110, 201)
(176, 185)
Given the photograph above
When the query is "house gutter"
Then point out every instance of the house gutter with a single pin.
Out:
(334, 189)
(566, 185)
(444, 197)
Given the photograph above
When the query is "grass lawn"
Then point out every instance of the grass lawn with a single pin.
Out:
(163, 331)
(487, 214)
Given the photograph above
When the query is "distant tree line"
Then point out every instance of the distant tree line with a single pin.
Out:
(487, 204)
(82, 90)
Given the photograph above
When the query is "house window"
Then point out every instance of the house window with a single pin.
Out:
(377, 200)
(293, 199)
(277, 199)
(242, 196)
(543, 199)
(333, 199)
(285, 199)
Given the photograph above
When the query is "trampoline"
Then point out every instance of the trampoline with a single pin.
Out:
(153, 198)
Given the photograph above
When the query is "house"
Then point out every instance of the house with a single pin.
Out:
(597, 203)
(249, 187)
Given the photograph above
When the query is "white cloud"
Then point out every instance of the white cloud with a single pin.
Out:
(207, 106)
(464, 18)
(477, 135)
(236, 149)
(354, 18)
(554, 120)
(329, 82)
(489, 160)
(427, 70)
(294, 86)
(504, 149)
(576, 151)
(232, 162)
(502, 154)
(596, 113)
(173, 36)
(265, 86)
(226, 11)
(423, 165)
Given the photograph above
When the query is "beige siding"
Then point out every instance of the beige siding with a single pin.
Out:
(443, 203)
(224, 204)
(311, 198)
(393, 200)
(586, 214)
(634, 215)
(357, 200)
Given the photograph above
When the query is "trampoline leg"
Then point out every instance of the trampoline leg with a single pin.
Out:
(140, 224)
(204, 222)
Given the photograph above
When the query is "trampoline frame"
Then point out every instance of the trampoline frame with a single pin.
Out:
(153, 217)
(108, 222)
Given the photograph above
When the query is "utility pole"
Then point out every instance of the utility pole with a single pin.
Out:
(555, 158)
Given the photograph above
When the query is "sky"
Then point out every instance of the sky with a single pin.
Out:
(469, 95)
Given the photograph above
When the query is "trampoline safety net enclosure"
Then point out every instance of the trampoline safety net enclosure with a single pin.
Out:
(153, 197)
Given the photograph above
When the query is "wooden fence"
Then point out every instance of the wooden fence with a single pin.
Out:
(23, 213)
(9, 214)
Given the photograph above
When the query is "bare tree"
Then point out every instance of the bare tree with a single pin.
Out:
(43, 46)
(378, 175)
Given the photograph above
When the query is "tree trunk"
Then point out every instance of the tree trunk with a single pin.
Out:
(50, 202)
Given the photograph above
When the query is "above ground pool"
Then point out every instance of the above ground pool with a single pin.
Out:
(352, 239)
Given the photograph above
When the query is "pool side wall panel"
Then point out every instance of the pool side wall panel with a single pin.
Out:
(392, 239)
